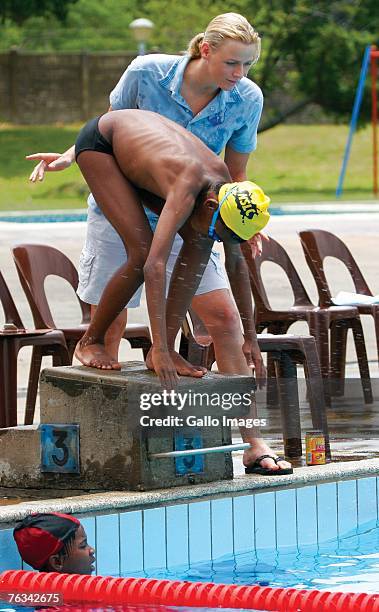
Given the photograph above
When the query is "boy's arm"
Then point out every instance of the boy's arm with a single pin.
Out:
(178, 207)
(238, 275)
(187, 274)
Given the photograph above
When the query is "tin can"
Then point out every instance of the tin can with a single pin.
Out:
(315, 447)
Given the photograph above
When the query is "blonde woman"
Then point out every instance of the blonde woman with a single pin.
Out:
(207, 92)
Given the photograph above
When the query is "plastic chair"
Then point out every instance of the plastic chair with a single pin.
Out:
(320, 319)
(34, 263)
(317, 245)
(13, 337)
(285, 351)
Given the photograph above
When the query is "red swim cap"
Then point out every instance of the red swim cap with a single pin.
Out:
(38, 536)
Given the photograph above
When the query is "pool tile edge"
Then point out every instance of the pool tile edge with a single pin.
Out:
(117, 500)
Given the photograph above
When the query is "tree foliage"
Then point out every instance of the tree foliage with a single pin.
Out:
(314, 49)
(311, 49)
(18, 11)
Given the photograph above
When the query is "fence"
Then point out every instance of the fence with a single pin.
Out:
(42, 88)
(48, 88)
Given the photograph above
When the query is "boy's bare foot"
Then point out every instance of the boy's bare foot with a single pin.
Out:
(183, 367)
(95, 356)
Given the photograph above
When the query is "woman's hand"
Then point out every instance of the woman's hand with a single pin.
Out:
(254, 359)
(49, 162)
(255, 243)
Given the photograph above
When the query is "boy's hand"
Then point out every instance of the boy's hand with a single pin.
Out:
(164, 368)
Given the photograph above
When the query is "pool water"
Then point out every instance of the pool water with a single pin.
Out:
(347, 564)
(323, 537)
(45, 217)
(287, 209)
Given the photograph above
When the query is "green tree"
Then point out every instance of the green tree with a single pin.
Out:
(313, 50)
(173, 34)
(19, 11)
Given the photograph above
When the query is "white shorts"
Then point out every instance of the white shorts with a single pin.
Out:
(103, 253)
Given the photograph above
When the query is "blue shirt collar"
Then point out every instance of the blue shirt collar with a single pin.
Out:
(173, 81)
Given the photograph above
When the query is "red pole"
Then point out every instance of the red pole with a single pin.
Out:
(374, 114)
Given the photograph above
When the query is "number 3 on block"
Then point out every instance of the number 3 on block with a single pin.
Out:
(60, 448)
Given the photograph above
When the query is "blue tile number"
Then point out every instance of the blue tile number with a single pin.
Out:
(188, 440)
(60, 448)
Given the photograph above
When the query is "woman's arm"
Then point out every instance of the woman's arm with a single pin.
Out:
(52, 162)
(237, 163)
(238, 275)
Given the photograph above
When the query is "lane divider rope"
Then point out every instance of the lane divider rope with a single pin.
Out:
(146, 591)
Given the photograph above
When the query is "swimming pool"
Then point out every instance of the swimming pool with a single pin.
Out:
(74, 215)
(323, 536)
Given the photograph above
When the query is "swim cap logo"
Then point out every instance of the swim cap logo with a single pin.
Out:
(245, 205)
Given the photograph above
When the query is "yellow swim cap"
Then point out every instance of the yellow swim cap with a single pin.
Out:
(244, 209)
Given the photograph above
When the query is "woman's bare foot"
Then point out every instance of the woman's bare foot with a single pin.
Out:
(95, 356)
(259, 448)
(183, 367)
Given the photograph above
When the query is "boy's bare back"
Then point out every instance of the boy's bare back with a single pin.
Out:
(152, 151)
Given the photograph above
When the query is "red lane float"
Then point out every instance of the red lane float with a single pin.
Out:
(152, 592)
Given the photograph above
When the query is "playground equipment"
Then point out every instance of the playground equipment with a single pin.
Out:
(370, 55)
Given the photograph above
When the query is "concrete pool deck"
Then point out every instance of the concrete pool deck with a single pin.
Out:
(109, 502)
(359, 231)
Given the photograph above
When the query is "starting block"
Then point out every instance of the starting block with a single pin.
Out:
(118, 430)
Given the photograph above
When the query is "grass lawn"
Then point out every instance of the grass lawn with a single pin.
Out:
(293, 163)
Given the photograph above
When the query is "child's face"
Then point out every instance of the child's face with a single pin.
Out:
(81, 557)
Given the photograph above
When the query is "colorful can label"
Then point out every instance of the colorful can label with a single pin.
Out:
(315, 448)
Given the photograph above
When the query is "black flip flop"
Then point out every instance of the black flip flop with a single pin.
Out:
(256, 468)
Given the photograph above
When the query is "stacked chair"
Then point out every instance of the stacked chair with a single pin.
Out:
(34, 262)
(323, 359)
(285, 352)
(317, 245)
(13, 338)
(323, 320)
